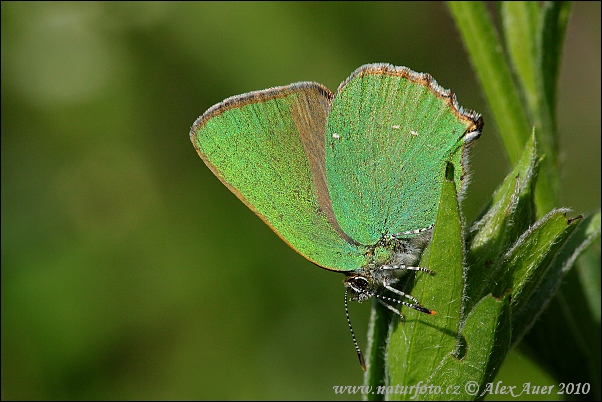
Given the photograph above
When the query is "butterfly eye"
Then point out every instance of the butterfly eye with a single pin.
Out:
(359, 284)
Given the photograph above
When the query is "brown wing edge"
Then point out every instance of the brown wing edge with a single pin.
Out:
(263, 95)
(424, 79)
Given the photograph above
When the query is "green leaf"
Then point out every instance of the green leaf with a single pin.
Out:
(566, 338)
(509, 214)
(585, 232)
(534, 36)
(485, 50)
(550, 39)
(416, 347)
(485, 341)
(520, 20)
(529, 260)
(552, 29)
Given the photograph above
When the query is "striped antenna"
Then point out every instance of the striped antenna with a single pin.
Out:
(357, 348)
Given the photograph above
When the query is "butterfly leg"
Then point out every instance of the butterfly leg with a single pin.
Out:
(402, 294)
(393, 309)
(428, 271)
(416, 306)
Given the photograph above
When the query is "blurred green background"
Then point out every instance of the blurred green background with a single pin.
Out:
(128, 269)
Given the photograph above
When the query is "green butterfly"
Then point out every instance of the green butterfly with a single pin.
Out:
(351, 180)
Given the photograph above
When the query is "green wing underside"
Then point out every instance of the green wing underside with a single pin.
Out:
(332, 176)
(268, 148)
(388, 139)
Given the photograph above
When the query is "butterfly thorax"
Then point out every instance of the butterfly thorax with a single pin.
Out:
(390, 259)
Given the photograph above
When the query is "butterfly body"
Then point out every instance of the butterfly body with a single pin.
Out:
(389, 261)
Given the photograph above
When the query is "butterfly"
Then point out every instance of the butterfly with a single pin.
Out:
(351, 180)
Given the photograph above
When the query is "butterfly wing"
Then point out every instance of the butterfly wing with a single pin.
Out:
(267, 147)
(389, 136)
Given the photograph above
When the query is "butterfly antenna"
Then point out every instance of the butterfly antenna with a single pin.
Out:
(357, 348)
